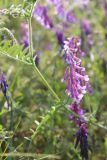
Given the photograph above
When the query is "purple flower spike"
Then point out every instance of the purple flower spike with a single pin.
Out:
(40, 14)
(77, 86)
(77, 79)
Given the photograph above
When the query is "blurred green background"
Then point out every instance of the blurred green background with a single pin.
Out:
(32, 100)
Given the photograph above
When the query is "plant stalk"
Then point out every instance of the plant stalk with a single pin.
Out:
(36, 69)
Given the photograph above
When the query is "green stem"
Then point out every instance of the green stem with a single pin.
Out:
(37, 70)
(30, 37)
(46, 83)
(13, 58)
(33, 7)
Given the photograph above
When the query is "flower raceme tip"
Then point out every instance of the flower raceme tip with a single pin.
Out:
(75, 75)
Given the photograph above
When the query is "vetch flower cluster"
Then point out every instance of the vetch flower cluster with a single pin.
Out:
(41, 15)
(77, 86)
(77, 80)
(66, 18)
(65, 15)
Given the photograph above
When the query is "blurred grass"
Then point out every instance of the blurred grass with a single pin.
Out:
(32, 101)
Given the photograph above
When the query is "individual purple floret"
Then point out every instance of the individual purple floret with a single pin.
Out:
(37, 58)
(24, 34)
(86, 26)
(41, 15)
(60, 37)
(60, 11)
(75, 75)
(76, 108)
(70, 17)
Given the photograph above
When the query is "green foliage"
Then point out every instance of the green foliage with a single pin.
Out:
(37, 127)
(15, 51)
